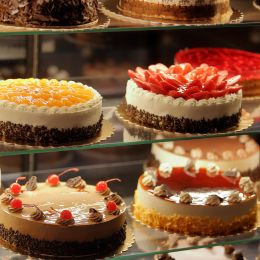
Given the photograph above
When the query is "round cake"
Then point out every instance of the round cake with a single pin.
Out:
(179, 10)
(236, 152)
(48, 12)
(48, 112)
(183, 99)
(193, 201)
(244, 63)
(62, 218)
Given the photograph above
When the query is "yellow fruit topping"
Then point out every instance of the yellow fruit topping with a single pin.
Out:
(44, 92)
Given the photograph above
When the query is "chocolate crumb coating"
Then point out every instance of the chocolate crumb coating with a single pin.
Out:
(48, 12)
(182, 125)
(35, 247)
(41, 135)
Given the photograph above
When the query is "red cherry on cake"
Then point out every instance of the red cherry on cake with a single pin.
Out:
(54, 179)
(101, 186)
(16, 204)
(66, 215)
(111, 206)
(15, 188)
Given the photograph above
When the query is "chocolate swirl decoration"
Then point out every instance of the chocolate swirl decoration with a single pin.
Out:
(65, 222)
(114, 197)
(95, 216)
(31, 184)
(15, 210)
(114, 212)
(7, 199)
(76, 182)
(37, 214)
(105, 192)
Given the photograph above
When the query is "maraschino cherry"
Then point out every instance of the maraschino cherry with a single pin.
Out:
(101, 186)
(54, 179)
(15, 188)
(66, 214)
(111, 206)
(16, 204)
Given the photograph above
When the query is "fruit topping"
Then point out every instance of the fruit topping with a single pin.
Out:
(184, 81)
(112, 208)
(54, 179)
(66, 218)
(15, 188)
(16, 204)
(66, 214)
(102, 187)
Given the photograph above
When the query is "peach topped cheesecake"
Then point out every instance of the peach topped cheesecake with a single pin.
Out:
(48, 112)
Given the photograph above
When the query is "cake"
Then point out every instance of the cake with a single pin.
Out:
(48, 112)
(244, 63)
(236, 152)
(62, 218)
(48, 12)
(195, 201)
(183, 99)
(179, 10)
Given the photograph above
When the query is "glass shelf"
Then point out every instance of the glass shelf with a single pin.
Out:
(123, 135)
(250, 17)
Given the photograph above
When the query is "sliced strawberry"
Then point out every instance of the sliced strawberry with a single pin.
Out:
(154, 80)
(186, 68)
(191, 90)
(140, 71)
(211, 82)
(218, 93)
(168, 87)
(142, 84)
(161, 67)
(157, 89)
(131, 74)
(181, 78)
(175, 94)
(222, 76)
(234, 89)
(147, 74)
(193, 83)
(232, 81)
(173, 81)
(222, 85)
(200, 95)
(175, 69)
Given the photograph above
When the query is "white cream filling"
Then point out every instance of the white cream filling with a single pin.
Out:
(242, 165)
(164, 207)
(161, 105)
(81, 115)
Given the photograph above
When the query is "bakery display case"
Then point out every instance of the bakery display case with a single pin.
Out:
(100, 55)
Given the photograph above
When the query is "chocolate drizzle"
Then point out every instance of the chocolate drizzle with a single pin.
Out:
(15, 210)
(114, 197)
(95, 216)
(7, 199)
(37, 214)
(31, 184)
(76, 182)
(65, 222)
(105, 192)
(114, 212)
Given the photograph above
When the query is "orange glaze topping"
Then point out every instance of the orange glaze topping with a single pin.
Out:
(44, 92)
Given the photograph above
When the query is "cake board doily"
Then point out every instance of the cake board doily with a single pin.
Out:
(245, 122)
(106, 132)
(10, 251)
(216, 240)
(111, 9)
(102, 22)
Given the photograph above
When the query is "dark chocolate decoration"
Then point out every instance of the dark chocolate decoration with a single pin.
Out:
(37, 214)
(95, 215)
(31, 184)
(7, 198)
(76, 182)
(114, 197)
(65, 222)
(15, 210)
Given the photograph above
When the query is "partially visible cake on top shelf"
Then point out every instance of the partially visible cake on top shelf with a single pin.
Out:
(48, 12)
(179, 10)
(183, 98)
(48, 112)
(234, 152)
(235, 61)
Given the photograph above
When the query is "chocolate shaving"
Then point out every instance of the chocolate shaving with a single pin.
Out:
(95, 215)
(31, 184)
(114, 197)
(76, 182)
(37, 214)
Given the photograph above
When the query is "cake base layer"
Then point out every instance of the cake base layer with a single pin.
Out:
(251, 88)
(193, 225)
(28, 245)
(183, 125)
(41, 135)
(145, 9)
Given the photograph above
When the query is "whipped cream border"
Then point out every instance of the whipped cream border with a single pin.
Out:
(161, 105)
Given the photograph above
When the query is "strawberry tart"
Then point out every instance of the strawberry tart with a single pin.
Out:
(195, 201)
(183, 98)
(48, 112)
(62, 218)
(236, 62)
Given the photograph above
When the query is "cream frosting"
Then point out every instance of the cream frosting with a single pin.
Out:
(79, 115)
(161, 105)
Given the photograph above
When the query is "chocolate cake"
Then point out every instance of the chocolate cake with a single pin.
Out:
(48, 12)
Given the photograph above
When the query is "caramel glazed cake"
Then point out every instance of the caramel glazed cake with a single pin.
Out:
(62, 218)
(234, 152)
(48, 12)
(179, 10)
(48, 112)
(204, 202)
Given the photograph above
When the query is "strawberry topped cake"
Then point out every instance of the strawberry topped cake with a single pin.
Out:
(183, 98)
(244, 63)
(48, 112)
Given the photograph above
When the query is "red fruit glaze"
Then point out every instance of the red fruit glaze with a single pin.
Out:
(16, 204)
(184, 81)
(111, 206)
(66, 215)
(53, 180)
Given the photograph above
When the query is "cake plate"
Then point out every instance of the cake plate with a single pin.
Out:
(111, 9)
